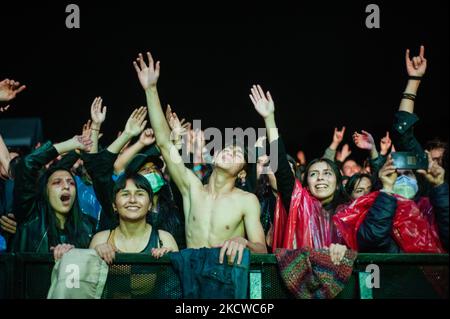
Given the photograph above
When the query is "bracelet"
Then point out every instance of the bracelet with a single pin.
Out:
(409, 96)
(413, 77)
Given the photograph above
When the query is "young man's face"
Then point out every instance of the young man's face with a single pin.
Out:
(350, 168)
(132, 203)
(231, 159)
(61, 191)
(321, 181)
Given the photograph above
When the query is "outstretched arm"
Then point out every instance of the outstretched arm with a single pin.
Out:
(404, 120)
(148, 77)
(416, 69)
(98, 116)
(265, 106)
(338, 136)
(135, 125)
(146, 139)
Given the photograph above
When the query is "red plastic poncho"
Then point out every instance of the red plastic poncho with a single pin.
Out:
(414, 228)
(307, 225)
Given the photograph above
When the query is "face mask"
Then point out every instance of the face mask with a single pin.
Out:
(406, 186)
(156, 181)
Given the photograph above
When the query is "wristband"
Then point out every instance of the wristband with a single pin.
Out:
(409, 96)
(413, 77)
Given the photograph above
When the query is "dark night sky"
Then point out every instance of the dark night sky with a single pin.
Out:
(322, 65)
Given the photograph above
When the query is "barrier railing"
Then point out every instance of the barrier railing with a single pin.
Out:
(27, 276)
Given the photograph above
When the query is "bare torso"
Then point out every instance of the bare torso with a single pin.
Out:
(213, 219)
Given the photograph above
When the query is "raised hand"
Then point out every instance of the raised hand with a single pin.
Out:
(148, 75)
(263, 103)
(82, 142)
(87, 129)
(344, 153)
(338, 135)
(301, 157)
(179, 128)
(435, 173)
(418, 65)
(9, 89)
(98, 114)
(385, 144)
(147, 137)
(364, 141)
(388, 174)
(136, 122)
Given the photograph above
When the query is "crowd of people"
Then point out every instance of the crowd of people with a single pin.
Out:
(138, 195)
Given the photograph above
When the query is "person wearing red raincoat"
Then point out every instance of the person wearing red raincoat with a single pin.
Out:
(391, 221)
(308, 222)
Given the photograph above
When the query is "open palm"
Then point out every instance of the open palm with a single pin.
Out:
(263, 103)
(136, 122)
(148, 75)
(98, 114)
(363, 141)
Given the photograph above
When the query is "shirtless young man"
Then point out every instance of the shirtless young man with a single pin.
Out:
(217, 214)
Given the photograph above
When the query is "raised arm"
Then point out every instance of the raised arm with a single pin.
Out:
(365, 141)
(265, 106)
(416, 69)
(98, 116)
(338, 136)
(134, 126)
(148, 77)
(146, 138)
(404, 120)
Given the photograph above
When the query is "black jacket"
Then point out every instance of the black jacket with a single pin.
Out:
(32, 210)
(374, 234)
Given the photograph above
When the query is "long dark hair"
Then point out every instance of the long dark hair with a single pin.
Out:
(354, 182)
(339, 196)
(73, 224)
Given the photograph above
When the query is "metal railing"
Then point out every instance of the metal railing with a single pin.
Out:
(27, 276)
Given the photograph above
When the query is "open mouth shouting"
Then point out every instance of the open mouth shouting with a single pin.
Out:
(65, 199)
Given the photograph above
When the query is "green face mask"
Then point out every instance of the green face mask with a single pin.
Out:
(156, 181)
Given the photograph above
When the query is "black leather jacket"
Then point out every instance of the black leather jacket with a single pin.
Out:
(32, 210)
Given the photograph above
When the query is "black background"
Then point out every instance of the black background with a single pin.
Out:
(322, 65)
